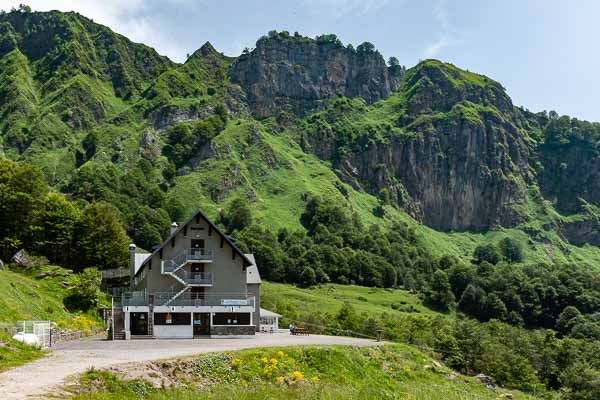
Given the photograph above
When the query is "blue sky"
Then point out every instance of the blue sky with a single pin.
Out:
(544, 52)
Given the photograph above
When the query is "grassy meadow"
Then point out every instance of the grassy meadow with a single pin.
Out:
(310, 372)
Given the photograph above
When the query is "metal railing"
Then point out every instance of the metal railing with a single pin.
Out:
(114, 273)
(199, 300)
(133, 299)
(187, 255)
(198, 254)
(186, 299)
(195, 278)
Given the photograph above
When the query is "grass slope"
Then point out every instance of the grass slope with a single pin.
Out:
(37, 294)
(330, 298)
(13, 353)
(312, 372)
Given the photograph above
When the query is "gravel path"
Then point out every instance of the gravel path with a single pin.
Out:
(41, 377)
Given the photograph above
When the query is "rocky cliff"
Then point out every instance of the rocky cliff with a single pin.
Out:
(295, 73)
(453, 155)
(444, 144)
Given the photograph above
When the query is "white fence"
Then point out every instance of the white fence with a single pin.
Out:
(41, 329)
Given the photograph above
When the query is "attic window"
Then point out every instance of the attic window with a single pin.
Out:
(173, 242)
(222, 240)
(185, 230)
(209, 230)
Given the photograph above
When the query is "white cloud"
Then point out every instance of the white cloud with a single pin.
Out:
(341, 8)
(447, 36)
(433, 49)
(124, 17)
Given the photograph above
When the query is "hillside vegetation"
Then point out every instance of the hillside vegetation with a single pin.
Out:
(389, 372)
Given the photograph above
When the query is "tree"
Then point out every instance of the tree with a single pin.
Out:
(567, 319)
(440, 293)
(84, 292)
(365, 47)
(239, 215)
(308, 277)
(511, 250)
(54, 225)
(471, 301)
(176, 209)
(101, 239)
(22, 190)
(494, 307)
(148, 236)
(487, 252)
(393, 62)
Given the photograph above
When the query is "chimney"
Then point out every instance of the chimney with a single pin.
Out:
(132, 263)
(174, 227)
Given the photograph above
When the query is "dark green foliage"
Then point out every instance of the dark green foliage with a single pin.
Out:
(84, 294)
(184, 140)
(488, 253)
(49, 225)
(238, 216)
(337, 248)
(440, 294)
(22, 192)
(511, 250)
(139, 199)
(100, 238)
(53, 227)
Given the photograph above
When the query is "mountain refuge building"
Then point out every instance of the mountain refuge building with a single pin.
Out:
(197, 283)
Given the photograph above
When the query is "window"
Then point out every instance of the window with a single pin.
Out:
(231, 319)
(172, 319)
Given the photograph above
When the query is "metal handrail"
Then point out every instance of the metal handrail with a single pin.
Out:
(191, 278)
(198, 300)
(187, 299)
(199, 254)
(189, 254)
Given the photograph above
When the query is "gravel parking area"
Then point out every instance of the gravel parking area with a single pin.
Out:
(41, 377)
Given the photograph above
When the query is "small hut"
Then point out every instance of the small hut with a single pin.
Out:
(269, 321)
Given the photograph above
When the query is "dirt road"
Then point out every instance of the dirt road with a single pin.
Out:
(41, 377)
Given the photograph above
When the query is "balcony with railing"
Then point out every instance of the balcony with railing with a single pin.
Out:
(194, 278)
(214, 302)
(132, 299)
(208, 300)
(187, 256)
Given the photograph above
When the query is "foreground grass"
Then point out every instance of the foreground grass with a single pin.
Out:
(13, 353)
(312, 372)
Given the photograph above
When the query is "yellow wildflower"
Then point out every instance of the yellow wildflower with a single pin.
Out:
(236, 362)
(281, 353)
(314, 379)
(297, 375)
(264, 360)
(280, 380)
(274, 361)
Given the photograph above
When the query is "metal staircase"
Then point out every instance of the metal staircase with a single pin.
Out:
(176, 295)
(175, 268)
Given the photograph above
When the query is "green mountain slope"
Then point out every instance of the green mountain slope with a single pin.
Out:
(443, 149)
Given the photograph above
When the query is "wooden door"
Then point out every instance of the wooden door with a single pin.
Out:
(201, 324)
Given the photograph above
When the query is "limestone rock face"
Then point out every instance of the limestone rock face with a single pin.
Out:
(297, 73)
(455, 159)
(453, 176)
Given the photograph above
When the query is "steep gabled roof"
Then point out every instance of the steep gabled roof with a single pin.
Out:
(247, 261)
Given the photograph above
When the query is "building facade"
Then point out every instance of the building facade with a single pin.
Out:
(197, 283)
